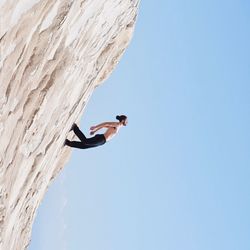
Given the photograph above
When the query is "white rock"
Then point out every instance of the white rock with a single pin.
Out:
(55, 54)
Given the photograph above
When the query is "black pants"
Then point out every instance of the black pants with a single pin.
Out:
(95, 141)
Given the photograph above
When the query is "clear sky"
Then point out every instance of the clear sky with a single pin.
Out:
(177, 177)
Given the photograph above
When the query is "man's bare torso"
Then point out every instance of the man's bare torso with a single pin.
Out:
(111, 132)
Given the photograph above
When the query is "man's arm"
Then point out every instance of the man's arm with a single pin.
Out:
(103, 125)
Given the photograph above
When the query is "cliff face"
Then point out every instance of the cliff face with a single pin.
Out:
(53, 55)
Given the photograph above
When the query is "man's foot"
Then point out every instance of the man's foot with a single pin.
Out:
(66, 142)
(73, 126)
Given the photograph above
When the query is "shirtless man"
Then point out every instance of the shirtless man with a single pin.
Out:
(98, 139)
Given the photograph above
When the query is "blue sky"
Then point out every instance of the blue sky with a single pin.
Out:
(177, 177)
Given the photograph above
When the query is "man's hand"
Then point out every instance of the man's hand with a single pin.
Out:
(93, 128)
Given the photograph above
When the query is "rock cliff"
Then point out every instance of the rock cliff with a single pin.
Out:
(53, 55)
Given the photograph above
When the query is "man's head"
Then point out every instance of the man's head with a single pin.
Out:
(123, 119)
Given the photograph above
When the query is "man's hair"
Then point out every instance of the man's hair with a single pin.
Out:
(121, 118)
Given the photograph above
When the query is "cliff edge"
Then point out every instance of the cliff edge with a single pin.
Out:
(53, 55)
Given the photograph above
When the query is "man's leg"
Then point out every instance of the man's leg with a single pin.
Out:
(79, 133)
(76, 144)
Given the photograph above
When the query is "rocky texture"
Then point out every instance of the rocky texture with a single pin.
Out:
(53, 55)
